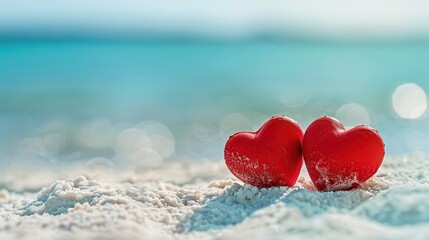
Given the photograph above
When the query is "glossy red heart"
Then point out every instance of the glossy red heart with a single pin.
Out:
(270, 157)
(340, 159)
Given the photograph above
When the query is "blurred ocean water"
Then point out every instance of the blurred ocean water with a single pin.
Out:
(141, 82)
(126, 101)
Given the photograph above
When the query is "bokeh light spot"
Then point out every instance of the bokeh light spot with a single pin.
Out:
(96, 133)
(131, 140)
(162, 145)
(353, 114)
(234, 122)
(409, 101)
(161, 137)
(146, 157)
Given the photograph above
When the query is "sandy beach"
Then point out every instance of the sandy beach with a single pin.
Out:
(204, 201)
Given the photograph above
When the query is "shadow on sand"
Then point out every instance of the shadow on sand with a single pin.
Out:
(240, 201)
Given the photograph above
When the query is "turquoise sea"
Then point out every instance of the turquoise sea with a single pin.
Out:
(69, 100)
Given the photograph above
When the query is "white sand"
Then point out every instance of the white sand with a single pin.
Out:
(204, 201)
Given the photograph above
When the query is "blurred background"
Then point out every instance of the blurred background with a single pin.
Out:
(139, 83)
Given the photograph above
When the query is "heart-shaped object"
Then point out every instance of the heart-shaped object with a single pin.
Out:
(270, 157)
(340, 159)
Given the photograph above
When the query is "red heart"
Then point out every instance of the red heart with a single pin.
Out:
(340, 159)
(270, 157)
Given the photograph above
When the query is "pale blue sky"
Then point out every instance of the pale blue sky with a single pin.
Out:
(225, 19)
